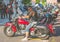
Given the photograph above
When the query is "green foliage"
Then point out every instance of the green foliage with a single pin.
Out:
(44, 2)
(37, 1)
(26, 2)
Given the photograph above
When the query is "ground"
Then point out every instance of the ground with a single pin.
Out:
(4, 38)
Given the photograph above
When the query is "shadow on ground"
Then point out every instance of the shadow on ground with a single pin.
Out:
(57, 30)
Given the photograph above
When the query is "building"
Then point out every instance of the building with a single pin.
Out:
(52, 1)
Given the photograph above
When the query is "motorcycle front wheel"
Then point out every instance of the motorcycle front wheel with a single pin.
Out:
(8, 31)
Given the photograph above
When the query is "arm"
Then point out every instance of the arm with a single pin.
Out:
(25, 16)
(32, 13)
(28, 16)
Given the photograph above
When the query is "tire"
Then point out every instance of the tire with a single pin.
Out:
(42, 32)
(8, 31)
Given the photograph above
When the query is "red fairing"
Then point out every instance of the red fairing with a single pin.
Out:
(22, 21)
(50, 26)
(32, 29)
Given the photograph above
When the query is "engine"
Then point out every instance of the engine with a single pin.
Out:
(22, 27)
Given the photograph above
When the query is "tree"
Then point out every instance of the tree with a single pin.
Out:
(26, 2)
(37, 1)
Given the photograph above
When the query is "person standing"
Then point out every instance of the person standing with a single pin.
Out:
(10, 11)
(4, 8)
(14, 6)
(33, 2)
(0, 10)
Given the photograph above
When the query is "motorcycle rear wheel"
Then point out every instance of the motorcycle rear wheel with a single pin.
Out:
(42, 33)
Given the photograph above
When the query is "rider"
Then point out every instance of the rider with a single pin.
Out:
(32, 15)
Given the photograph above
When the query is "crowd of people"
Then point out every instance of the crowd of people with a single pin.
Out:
(6, 10)
(2, 11)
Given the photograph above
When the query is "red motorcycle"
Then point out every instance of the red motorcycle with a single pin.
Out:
(19, 25)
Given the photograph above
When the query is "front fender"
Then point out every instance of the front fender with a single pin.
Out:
(8, 24)
(12, 26)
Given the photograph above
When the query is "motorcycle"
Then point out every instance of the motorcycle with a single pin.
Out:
(19, 25)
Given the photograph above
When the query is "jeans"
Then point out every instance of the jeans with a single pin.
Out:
(10, 15)
(29, 26)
